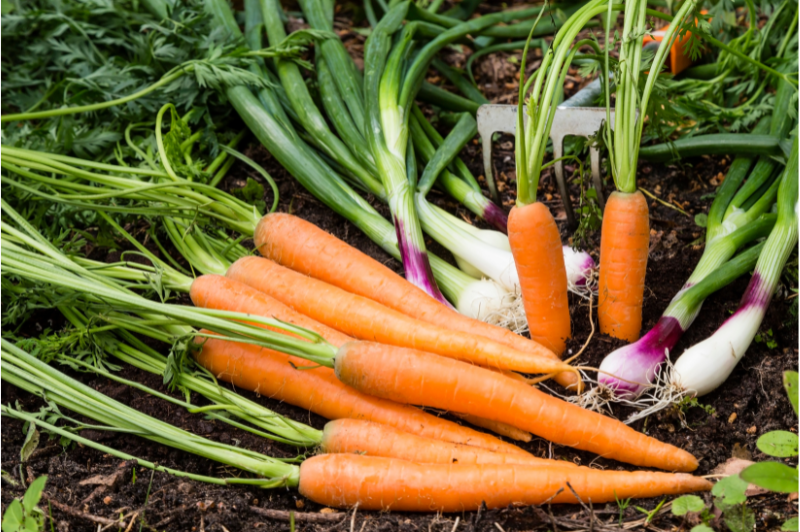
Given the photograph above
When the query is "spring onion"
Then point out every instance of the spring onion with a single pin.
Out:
(737, 216)
(703, 367)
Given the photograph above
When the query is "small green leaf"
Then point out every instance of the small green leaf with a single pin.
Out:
(8, 477)
(31, 525)
(12, 519)
(790, 383)
(730, 490)
(778, 443)
(772, 476)
(686, 504)
(790, 525)
(702, 528)
(33, 494)
(252, 193)
(31, 442)
(701, 219)
(740, 519)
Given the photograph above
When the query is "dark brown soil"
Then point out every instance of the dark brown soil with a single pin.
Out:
(750, 403)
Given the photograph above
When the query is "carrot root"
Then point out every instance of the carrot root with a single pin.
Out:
(307, 249)
(375, 439)
(366, 319)
(503, 429)
(539, 258)
(375, 483)
(624, 245)
(274, 375)
(415, 377)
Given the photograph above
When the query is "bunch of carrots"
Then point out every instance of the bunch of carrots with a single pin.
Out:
(381, 453)
(397, 347)
(394, 347)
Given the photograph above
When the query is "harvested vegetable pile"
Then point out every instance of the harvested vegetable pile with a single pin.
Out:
(255, 274)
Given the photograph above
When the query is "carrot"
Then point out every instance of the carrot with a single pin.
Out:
(277, 376)
(415, 377)
(375, 483)
(536, 246)
(221, 293)
(624, 244)
(303, 247)
(375, 439)
(503, 429)
(365, 319)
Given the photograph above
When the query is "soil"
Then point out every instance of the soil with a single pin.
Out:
(88, 490)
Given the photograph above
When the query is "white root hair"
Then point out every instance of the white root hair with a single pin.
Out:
(661, 394)
(589, 288)
(511, 315)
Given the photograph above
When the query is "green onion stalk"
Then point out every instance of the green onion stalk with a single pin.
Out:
(737, 216)
(456, 180)
(446, 170)
(387, 135)
(306, 109)
(348, 80)
(554, 18)
(479, 252)
(32, 375)
(467, 191)
(705, 366)
(392, 78)
(471, 296)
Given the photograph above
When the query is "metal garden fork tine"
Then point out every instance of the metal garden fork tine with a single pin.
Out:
(572, 117)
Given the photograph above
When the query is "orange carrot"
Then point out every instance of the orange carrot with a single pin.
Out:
(539, 258)
(277, 376)
(503, 429)
(375, 439)
(221, 293)
(375, 483)
(624, 244)
(303, 247)
(365, 319)
(415, 377)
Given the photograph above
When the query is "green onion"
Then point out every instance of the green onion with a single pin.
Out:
(706, 365)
